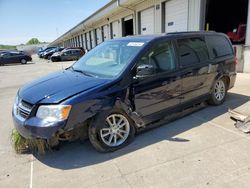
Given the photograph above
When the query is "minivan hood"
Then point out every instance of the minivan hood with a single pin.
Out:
(58, 86)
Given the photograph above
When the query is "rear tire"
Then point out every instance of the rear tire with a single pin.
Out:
(111, 130)
(23, 61)
(219, 92)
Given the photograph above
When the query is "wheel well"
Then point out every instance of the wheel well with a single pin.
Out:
(227, 79)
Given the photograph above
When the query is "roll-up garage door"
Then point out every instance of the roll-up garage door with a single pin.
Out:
(84, 41)
(105, 32)
(147, 21)
(116, 29)
(176, 12)
(88, 41)
(99, 35)
(93, 38)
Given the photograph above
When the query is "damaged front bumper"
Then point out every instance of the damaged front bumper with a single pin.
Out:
(36, 128)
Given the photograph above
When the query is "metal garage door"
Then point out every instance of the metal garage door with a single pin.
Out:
(99, 35)
(147, 21)
(116, 29)
(93, 38)
(88, 41)
(176, 15)
(83, 41)
(105, 32)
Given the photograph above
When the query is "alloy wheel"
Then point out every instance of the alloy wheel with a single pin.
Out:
(219, 90)
(116, 130)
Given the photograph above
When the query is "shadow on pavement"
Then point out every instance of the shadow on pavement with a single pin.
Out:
(77, 155)
(14, 64)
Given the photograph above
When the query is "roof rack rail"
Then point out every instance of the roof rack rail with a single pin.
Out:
(183, 32)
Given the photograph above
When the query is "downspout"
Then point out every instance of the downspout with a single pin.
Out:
(119, 5)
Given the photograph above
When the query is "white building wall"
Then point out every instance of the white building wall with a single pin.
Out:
(247, 47)
(117, 13)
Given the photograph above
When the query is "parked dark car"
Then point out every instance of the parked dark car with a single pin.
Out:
(67, 55)
(41, 52)
(14, 57)
(48, 54)
(126, 85)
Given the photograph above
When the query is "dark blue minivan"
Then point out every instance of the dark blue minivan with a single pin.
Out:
(126, 85)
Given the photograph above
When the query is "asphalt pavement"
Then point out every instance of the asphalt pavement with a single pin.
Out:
(203, 149)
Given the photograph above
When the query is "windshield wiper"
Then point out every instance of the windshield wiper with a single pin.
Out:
(83, 72)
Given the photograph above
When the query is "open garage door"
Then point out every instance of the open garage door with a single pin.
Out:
(229, 17)
(106, 32)
(115, 26)
(99, 36)
(176, 15)
(127, 26)
(146, 23)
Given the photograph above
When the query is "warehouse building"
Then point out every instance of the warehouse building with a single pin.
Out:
(143, 17)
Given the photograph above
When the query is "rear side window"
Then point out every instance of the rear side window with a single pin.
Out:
(218, 46)
(192, 51)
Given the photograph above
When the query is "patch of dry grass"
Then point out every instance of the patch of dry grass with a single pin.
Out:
(22, 145)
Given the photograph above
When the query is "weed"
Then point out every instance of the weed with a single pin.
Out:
(22, 145)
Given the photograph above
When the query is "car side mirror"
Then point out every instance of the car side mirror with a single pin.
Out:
(144, 71)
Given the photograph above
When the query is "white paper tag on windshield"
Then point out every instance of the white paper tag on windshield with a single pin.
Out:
(135, 44)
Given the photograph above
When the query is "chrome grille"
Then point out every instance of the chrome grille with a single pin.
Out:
(23, 109)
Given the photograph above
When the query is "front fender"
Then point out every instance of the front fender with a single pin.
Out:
(84, 111)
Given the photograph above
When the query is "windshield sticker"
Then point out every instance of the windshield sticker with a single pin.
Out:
(135, 44)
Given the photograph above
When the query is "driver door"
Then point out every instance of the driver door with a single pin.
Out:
(158, 92)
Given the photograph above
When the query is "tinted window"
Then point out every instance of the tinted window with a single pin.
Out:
(15, 54)
(5, 55)
(218, 46)
(192, 51)
(75, 52)
(161, 57)
(67, 52)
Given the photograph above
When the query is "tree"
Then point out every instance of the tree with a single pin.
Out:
(33, 41)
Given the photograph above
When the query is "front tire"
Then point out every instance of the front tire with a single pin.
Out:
(110, 131)
(219, 92)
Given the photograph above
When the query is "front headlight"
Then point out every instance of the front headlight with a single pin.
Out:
(53, 112)
(17, 100)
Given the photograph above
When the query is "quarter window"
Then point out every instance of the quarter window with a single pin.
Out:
(192, 51)
(218, 46)
(161, 57)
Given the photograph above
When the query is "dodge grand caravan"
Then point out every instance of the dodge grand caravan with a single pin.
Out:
(125, 85)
